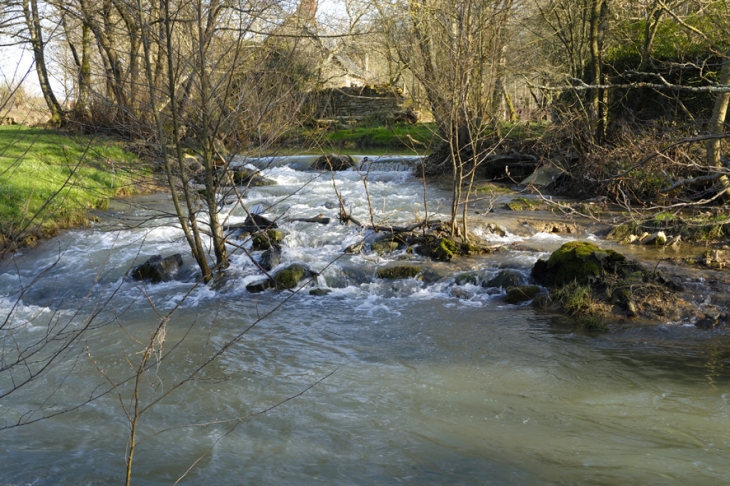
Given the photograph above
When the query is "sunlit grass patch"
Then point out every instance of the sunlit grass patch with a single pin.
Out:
(49, 179)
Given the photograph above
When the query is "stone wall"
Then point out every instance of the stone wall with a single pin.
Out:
(356, 103)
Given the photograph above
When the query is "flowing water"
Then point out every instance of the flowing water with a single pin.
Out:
(422, 381)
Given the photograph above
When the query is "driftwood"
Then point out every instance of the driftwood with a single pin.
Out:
(317, 219)
(256, 223)
(394, 229)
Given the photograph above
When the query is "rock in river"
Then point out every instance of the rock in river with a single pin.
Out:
(158, 269)
(333, 162)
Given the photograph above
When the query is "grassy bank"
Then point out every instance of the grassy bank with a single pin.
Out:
(50, 179)
(418, 138)
(398, 137)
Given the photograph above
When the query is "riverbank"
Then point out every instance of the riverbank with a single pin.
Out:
(49, 180)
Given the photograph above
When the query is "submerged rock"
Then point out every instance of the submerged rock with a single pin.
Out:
(523, 293)
(384, 246)
(398, 272)
(466, 278)
(320, 292)
(333, 162)
(259, 286)
(506, 278)
(250, 178)
(270, 258)
(158, 269)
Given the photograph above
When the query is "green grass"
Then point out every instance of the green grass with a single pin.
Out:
(49, 179)
(418, 137)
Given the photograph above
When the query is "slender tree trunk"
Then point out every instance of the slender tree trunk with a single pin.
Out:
(207, 133)
(717, 125)
(595, 95)
(188, 221)
(32, 19)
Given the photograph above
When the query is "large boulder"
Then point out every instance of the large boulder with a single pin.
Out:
(158, 269)
(577, 261)
(585, 279)
(333, 162)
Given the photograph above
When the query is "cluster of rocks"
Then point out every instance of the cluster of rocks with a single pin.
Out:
(610, 280)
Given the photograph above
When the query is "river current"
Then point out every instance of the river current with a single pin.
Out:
(378, 382)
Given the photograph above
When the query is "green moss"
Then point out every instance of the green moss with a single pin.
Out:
(399, 272)
(444, 250)
(522, 204)
(419, 135)
(266, 239)
(490, 189)
(580, 261)
(289, 277)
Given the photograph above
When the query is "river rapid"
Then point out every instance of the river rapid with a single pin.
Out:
(390, 382)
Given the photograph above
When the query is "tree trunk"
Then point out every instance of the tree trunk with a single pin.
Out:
(717, 125)
(596, 114)
(32, 19)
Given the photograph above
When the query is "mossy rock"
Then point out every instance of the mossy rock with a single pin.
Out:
(524, 293)
(621, 232)
(441, 249)
(266, 239)
(399, 272)
(576, 261)
(522, 204)
(289, 277)
(319, 292)
(466, 278)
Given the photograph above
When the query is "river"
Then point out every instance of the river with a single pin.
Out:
(415, 381)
